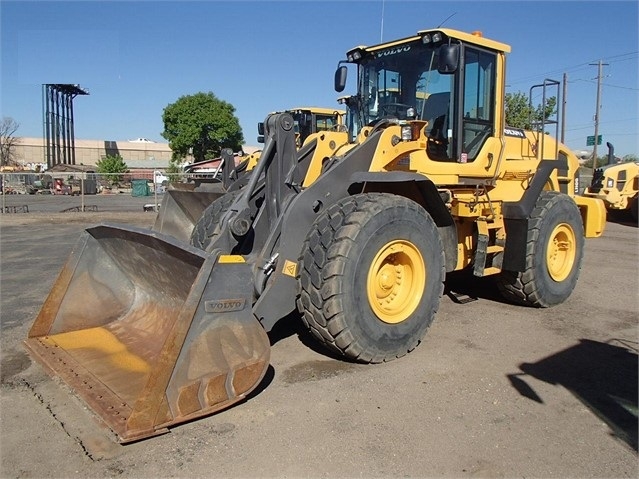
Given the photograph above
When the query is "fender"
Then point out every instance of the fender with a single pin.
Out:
(420, 189)
(517, 214)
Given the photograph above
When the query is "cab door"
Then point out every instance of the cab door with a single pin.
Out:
(478, 115)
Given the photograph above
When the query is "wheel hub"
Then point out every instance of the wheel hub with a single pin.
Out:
(396, 281)
(561, 252)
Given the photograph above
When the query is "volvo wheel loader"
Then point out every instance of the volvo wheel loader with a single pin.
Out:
(617, 185)
(310, 120)
(321, 130)
(152, 331)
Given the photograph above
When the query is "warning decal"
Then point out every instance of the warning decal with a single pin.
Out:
(290, 268)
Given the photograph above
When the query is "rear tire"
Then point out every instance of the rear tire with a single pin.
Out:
(371, 277)
(204, 232)
(554, 252)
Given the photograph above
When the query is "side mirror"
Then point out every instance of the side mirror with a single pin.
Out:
(340, 78)
(448, 59)
(260, 139)
(260, 129)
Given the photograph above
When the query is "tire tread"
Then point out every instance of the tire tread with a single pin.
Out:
(321, 303)
(524, 287)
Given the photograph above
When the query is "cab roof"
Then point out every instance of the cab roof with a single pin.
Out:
(318, 110)
(475, 38)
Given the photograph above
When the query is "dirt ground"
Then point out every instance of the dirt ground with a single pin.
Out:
(495, 390)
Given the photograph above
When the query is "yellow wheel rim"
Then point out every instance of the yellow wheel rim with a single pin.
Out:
(561, 252)
(396, 281)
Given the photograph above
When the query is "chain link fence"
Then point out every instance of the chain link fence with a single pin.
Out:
(25, 192)
(28, 192)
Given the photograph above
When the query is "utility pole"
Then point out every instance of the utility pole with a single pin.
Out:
(600, 65)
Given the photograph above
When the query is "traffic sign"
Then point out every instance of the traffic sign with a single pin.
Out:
(590, 141)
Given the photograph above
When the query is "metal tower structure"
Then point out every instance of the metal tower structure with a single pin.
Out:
(57, 112)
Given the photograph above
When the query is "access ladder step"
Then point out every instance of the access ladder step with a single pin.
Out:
(487, 245)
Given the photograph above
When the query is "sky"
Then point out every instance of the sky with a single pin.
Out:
(135, 58)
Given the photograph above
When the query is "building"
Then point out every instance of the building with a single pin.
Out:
(137, 154)
(31, 152)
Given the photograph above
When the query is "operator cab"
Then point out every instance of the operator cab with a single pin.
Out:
(443, 77)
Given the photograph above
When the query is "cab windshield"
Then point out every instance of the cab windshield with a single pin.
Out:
(400, 81)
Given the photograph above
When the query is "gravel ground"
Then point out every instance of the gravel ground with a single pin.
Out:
(495, 390)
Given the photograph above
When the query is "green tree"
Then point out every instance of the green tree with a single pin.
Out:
(520, 114)
(173, 171)
(601, 161)
(114, 166)
(203, 124)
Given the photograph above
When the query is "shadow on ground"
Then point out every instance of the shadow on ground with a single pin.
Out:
(463, 287)
(623, 217)
(603, 376)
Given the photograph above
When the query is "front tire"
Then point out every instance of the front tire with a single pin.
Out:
(205, 232)
(554, 252)
(371, 277)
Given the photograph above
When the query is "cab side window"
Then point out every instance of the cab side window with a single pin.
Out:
(435, 105)
(479, 101)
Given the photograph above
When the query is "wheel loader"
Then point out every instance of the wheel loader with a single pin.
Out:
(617, 185)
(182, 205)
(308, 121)
(151, 331)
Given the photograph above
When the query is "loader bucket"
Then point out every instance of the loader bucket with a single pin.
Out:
(182, 205)
(150, 332)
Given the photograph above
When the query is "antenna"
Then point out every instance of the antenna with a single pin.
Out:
(449, 17)
(381, 35)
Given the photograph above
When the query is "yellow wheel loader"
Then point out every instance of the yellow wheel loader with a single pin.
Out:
(152, 331)
(310, 120)
(184, 202)
(617, 185)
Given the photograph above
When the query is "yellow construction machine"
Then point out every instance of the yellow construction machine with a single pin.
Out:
(184, 202)
(151, 330)
(310, 120)
(617, 184)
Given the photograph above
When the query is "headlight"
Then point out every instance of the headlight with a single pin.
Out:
(407, 133)
(432, 38)
(354, 55)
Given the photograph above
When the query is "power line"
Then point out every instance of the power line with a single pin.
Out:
(572, 69)
(605, 84)
(586, 127)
